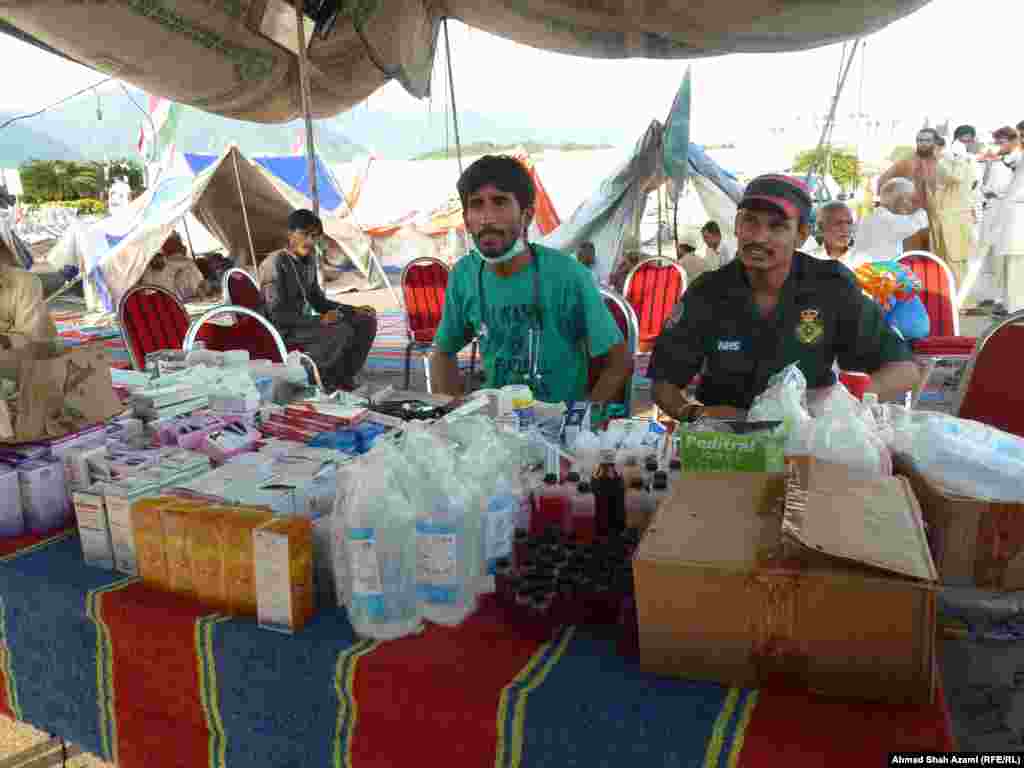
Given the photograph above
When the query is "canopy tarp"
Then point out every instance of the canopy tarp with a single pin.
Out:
(115, 252)
(291, 169)
(245, 51)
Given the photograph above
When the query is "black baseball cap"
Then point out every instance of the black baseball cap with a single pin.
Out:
(786, 194)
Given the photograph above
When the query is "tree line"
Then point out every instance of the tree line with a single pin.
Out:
(47, 181)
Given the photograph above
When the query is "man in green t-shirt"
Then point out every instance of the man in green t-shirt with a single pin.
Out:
(537, 312)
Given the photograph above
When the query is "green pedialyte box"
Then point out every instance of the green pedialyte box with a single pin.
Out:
(724, 452)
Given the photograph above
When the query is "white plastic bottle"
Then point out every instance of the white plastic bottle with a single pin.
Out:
(447, 559)
(500, 516)
(380, 558)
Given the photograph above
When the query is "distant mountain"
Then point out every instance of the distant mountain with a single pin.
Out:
(530, 147)
(19, 142)
(91, 128)
(403, 135)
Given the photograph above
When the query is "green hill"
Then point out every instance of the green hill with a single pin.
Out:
(489, 148)
(107, 126)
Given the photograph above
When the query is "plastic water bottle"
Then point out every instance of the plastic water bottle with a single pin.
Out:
(380, 549)
(447, 560)
(499, 524)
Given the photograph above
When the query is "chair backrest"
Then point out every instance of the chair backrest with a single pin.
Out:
(424, 282)
(653, 287)
(990, 390)
(151, 319)
(625, 317)
(938, 291)
(241, 289)
(249, 330)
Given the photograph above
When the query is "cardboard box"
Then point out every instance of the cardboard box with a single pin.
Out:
(97, 549)
(284, 574)
(974, 542)
(70, 390)
(730, 589)
(239, 559)
(724, 452)
(150, 554)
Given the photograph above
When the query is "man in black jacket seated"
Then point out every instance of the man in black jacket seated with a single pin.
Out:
(337, 336)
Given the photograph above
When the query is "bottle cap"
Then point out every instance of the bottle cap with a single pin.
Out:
(550, 478)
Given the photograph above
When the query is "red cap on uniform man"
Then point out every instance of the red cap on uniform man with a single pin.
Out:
(786, 194)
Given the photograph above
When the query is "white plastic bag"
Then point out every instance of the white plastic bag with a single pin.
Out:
(378, 577)
(845, 432)
(967, 457)
(785, 400)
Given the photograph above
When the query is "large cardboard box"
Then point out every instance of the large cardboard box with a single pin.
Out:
(974, 542)
(59, 392)
(833, 591)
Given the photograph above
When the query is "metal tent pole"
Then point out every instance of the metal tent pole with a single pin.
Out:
(245, 213)
(300, 27)
(451, 89)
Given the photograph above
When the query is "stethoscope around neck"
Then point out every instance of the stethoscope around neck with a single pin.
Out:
(534, 332)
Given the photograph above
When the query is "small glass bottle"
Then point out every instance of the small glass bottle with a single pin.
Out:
(609, 497)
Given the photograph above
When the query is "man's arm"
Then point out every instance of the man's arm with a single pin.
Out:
(892, 381)
(897, 170)
(868, 344)
(283, 311)
(678, 356)
(615, 373)
(444, 374)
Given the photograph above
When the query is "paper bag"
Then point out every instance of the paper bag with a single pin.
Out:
(59, 391)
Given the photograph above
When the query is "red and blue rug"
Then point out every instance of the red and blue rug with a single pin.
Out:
(150, 679)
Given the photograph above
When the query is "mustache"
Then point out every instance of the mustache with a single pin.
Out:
(490, 231)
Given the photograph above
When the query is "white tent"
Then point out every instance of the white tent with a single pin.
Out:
(238, 203)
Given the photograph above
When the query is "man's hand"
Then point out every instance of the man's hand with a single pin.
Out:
(329, 318)
(720, 412)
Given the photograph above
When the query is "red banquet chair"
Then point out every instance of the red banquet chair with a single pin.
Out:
(990, 390)
(151, 319)
(653, 287)
(944, 350)
(627, 321)
(231, 327)
(240, 289)
(424, 282)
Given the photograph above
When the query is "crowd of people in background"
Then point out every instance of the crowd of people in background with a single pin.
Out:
(960, 201)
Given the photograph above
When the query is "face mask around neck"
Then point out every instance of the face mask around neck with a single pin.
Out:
(518, 247)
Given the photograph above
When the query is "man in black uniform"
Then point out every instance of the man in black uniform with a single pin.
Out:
(338, 337)
(770, 307)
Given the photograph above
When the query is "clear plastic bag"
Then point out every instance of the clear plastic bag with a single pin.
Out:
(378, 564)
(966, 457)
(785, 400)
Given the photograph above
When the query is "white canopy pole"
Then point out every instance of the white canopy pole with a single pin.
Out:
(245, 213)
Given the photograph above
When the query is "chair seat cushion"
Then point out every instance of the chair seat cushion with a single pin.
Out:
(945, 345)
(424, 335)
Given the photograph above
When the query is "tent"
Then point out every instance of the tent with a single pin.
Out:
(293, 170)
(411, 209)
(245, 54)
(239, 202)
(614, 213)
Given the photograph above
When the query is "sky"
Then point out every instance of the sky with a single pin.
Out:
(949, 60)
